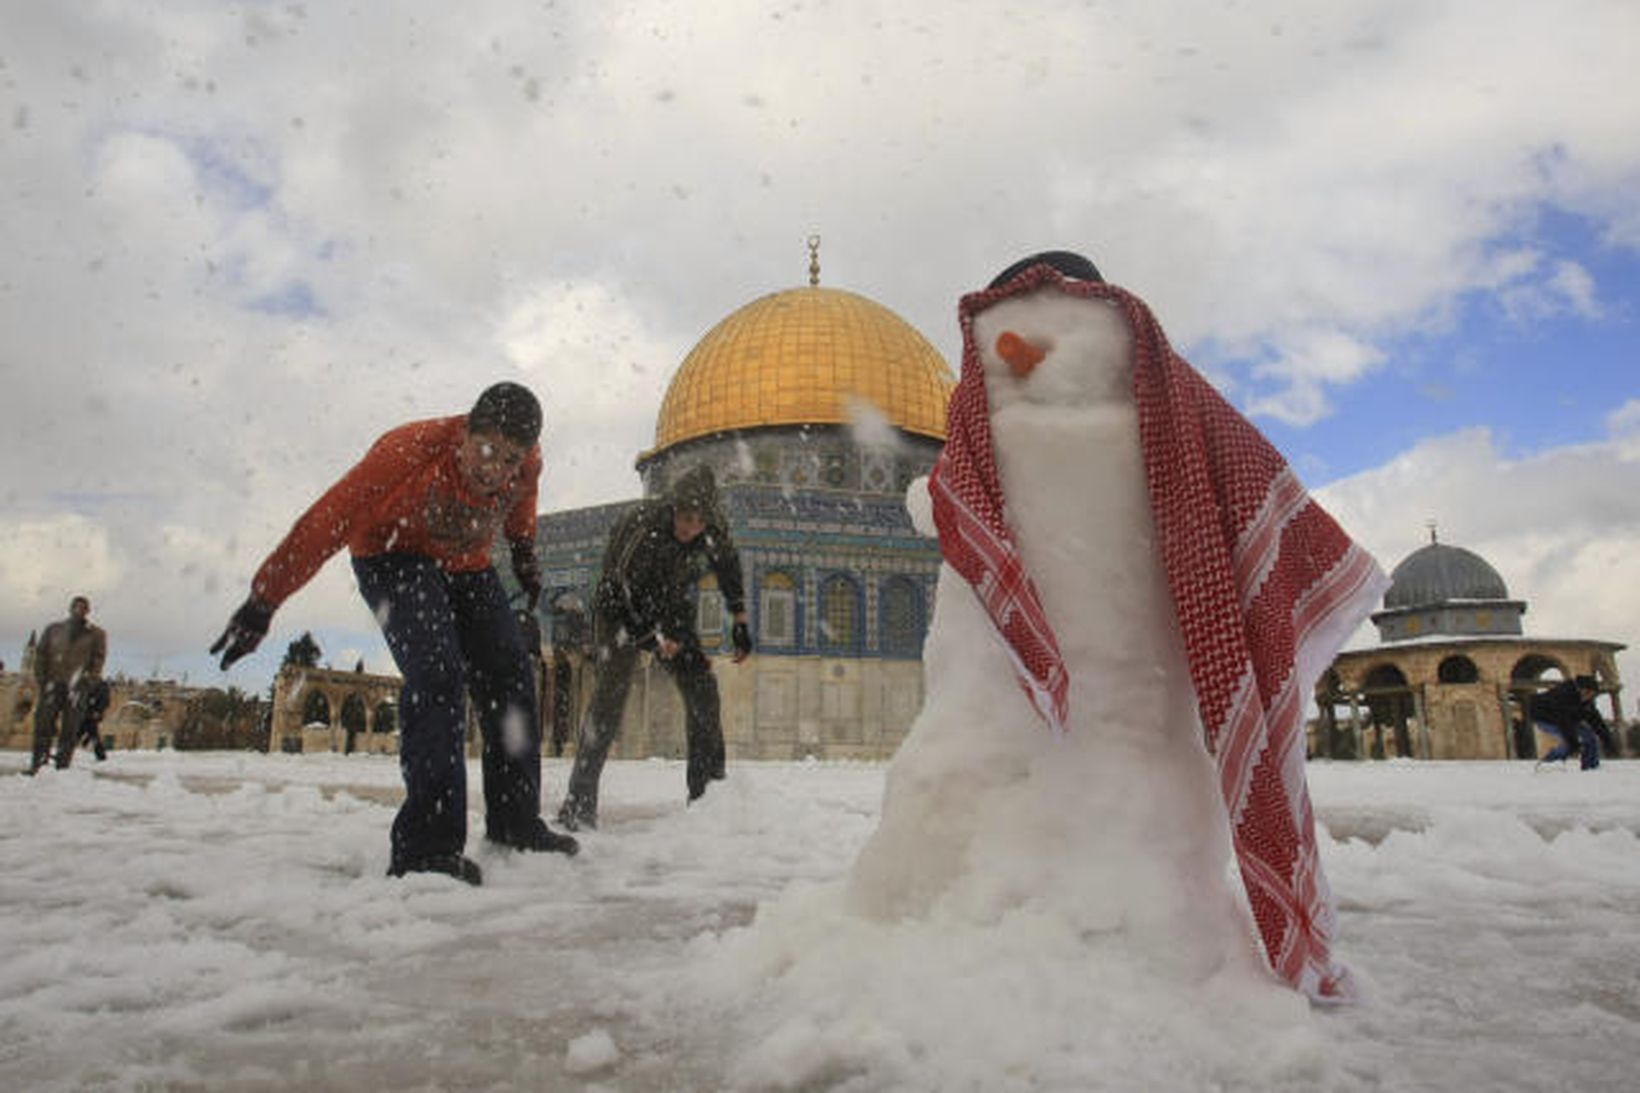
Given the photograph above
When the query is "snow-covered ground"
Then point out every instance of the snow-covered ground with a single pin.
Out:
(221, 921)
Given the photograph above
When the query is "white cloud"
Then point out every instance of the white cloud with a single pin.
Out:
(1308, 363)
(45, 561)
(1565, 288)
(1625, 420)
(1577, 287)
(600, 373)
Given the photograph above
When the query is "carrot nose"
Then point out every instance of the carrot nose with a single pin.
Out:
(1022, 356)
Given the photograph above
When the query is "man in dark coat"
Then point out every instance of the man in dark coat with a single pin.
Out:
(1566, 711)
(68, 662)
(652, 560)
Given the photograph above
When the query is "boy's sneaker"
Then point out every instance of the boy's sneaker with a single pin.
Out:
(458, 866)
(573, 818)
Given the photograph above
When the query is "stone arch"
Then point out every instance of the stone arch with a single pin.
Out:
(1390, 708)
(315, 708)
(1457, 668)
(1524, 681)
(385, 718)
(1534, 666)
(133, 711)
(304, 697)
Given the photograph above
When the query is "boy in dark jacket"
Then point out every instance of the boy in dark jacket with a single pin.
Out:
(642, 602)
(91, 716)
(1566, 711)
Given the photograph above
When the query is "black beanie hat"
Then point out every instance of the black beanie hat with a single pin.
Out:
(1068, 263)
(509, 410)
(696, 489)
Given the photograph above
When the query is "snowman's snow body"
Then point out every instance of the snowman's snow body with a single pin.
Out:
(1116, 828)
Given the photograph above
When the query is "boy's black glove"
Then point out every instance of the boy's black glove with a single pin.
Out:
(527, 568)
(245, 631)
(741, 636)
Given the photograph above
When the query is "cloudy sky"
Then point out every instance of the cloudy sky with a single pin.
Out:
(238, 241)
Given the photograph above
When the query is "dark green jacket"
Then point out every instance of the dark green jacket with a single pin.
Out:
(648, 575)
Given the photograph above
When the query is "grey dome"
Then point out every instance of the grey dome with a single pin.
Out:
(1439, 573)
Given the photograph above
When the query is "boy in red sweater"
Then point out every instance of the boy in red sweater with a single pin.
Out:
(419, 514)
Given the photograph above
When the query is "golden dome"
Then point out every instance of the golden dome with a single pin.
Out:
(800, 357)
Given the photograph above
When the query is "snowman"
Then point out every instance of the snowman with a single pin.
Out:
(1138, 597)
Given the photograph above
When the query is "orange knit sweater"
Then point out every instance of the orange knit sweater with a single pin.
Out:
(406, 495)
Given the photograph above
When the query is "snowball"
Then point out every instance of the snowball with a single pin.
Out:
(594, 1051)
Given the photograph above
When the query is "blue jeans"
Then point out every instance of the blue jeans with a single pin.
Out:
(452, 634)
(1588, 744)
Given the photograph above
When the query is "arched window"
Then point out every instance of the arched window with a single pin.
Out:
(709, 610)
(1385, 677)
(777, 610)
(1534, 666)
(839, 613)
(386, 719)
(1389, 708)
(1458, 669)
(316, 709)
(900, 617)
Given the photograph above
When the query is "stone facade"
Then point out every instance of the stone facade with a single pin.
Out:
(777, 708)
(315, 709)
(839, 587)
(322, 709)
(144, 714)
(1463, 698)
(1453, 677)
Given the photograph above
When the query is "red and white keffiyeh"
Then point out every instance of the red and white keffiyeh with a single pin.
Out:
(1266, 587)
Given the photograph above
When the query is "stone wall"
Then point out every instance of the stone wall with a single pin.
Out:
(1463, 718)
(777, 708)
(142, 714)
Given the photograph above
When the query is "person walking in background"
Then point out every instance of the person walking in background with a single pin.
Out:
(651, 562)
(1566, 712)
(569, 641)
(420, 513)
(68, 663)
(96, 706)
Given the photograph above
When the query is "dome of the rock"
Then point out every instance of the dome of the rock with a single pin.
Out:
(803, 357)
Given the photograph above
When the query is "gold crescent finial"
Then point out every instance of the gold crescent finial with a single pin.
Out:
(814, 260)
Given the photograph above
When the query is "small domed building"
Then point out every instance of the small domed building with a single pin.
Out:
(816, 408)
(1454, 672)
